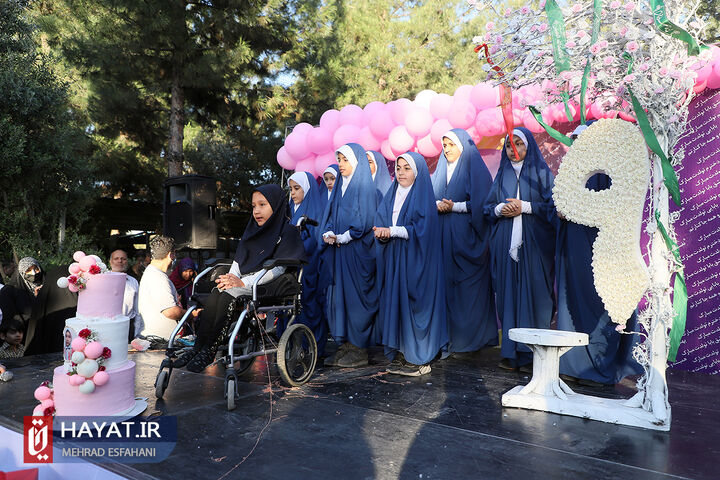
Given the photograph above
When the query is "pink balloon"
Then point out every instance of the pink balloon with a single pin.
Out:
(439, 128)
(596, 110)
(400, 140)
(74, 268)
(351, 115)
(399, 109)
(77, 256)
(418, 121)
(346, 134)
(93, 350)
(713, 80)
(42, 393)
(78, 343)
(38, 411)
(463, 92)
(319, 140)
(330, 120)
(531, 124)
(472, 131)
(497, 122)
(101, 378)
(368, 140)
(703, 71)
(296, 146)
(322, 161)
(424, 98)
(370, 110)
(302, 128)
(86, 263)
(381, 124)
(285, 160)
(484, 95)
(386, 150)
(427, 148)
(699, 87)
(627, 117)
(73, 288)
(483, 123)
(76, 380)
(462, 114)
(440, 105)
(47, 403)
(305, 165)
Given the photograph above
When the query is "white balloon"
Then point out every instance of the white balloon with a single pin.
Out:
(87, 387)
(87, 368)
(62, 282)
(77, 357)
(97, 259)
(423, 99)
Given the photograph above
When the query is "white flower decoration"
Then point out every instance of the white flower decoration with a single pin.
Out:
(617, 148)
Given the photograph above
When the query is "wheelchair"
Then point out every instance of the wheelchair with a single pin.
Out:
(247, 336)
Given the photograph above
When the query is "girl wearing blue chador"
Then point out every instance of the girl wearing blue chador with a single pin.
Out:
(347, 241)
(329, 177)
(522, 243)
(380, 173)
(412, 315)
(607, 358)
(460, 184)
(305, 199)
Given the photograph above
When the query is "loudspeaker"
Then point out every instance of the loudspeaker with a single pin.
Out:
(189, 208)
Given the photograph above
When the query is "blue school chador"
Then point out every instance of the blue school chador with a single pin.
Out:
(411, 283)
(382, 175)
(313, 297)
(470, 305)
(607, 358)
(352, 300)
(523, 288)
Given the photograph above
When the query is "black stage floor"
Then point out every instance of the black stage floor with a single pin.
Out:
(365, 424)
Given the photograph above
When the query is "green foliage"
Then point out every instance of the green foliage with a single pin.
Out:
(709, 10)
(42, 149)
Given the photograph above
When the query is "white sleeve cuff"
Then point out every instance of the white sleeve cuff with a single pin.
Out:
(399, 232)
(526, 207)
(498, 209)
(438, 202)
(344, 238)
(328, 234)
(235, 269)
(459, 207)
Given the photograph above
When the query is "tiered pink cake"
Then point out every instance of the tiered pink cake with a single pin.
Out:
(99, 310)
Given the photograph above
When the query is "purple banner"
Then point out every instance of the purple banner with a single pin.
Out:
(698, 234)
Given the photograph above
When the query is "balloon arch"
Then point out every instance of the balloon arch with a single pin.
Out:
(402, 125)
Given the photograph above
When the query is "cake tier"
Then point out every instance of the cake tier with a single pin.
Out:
(117, 396)
(111, 332)
(102, 296)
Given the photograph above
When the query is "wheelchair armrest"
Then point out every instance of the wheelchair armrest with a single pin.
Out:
(282, 262)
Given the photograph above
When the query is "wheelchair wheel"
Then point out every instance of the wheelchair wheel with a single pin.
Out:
(230, 393)
(161, 383)
(249, 345)
(297, 355)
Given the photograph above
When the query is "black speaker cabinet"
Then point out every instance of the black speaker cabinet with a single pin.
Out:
(189, 207)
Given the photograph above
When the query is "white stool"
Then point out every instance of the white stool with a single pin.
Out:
(547, 346)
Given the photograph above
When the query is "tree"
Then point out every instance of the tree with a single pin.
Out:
(152, 67)
(47, 181)
(709, 11)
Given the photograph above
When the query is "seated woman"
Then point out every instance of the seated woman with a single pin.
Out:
(268, 235)
(347, 242)
(412, 316)
(182, 277)
(18, 297)
(305, 199)
(522, 216)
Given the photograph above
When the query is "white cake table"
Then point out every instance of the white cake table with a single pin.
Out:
(548, 393)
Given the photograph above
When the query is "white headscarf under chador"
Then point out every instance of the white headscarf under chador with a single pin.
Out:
(350, 155)
(402, 192)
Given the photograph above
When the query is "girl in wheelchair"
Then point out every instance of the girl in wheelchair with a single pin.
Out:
(268, 235)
